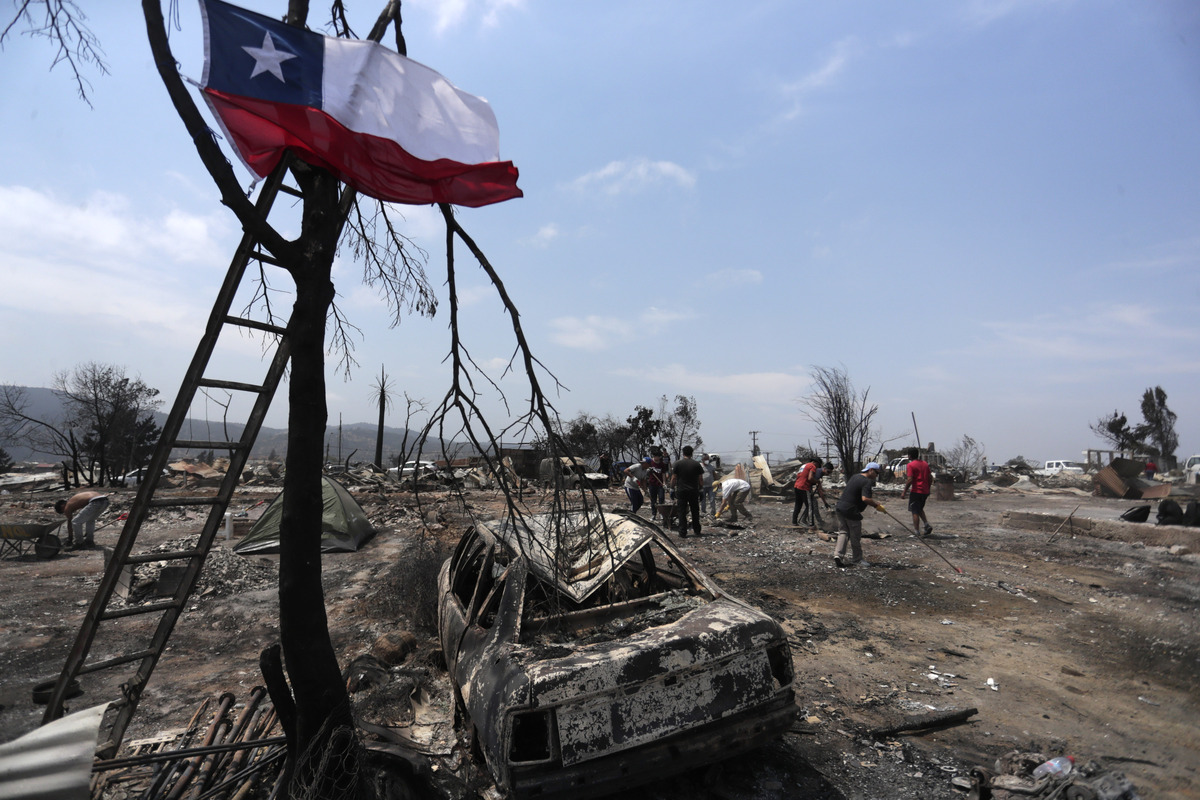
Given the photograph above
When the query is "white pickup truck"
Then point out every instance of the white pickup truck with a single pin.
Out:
(1060, 468)
(1191, 470)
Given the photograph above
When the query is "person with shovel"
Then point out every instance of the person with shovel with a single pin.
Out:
(920, 480)
(854, 500)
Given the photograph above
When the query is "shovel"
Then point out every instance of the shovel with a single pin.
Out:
(927, 544)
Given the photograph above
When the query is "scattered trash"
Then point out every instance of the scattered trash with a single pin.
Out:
(1056, 767)
(1021, 775)
(991, 684)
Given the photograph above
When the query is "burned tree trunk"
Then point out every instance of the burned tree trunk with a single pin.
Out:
(323, 719)
(323, 750)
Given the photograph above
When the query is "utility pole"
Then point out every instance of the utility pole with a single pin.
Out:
(754, 443)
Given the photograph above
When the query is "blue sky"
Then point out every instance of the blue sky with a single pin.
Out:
(988, 212)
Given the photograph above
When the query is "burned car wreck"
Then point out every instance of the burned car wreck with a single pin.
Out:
(590, 656)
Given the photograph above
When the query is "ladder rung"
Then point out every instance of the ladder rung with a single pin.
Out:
(253, 323)
(200, 444)
(266, 258)
(167, 502)
(175, 555)
(115, 662)
(236, 386)
(133, 611)
(294, 192)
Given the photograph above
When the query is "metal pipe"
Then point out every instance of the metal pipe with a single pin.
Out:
(189, 771)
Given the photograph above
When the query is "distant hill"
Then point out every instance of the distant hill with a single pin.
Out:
(357, 438)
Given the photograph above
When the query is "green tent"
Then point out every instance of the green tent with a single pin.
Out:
(343, 521)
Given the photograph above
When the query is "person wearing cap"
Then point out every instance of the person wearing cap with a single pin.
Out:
(635, 479)
(854, 500)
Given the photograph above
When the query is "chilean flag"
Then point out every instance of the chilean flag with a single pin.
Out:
(389, 127)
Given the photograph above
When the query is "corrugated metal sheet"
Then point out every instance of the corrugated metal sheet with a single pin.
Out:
(53, 762)
(1110, 480)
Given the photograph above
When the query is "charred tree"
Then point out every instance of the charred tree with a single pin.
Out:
(323, 752)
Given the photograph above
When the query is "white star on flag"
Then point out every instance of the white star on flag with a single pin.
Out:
(268, 59)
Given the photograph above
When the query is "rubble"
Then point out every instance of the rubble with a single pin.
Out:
(1015, 777)
(225, 573)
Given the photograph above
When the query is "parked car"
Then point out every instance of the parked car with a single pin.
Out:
(573, 471)
(589, 656)
(1061, 468)
(135, 478)
(410, 468)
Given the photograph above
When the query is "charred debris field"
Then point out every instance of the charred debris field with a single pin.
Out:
(1062, 636)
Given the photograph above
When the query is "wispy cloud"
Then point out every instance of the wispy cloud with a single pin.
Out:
(825, 75)
(981, 13)
(769, 388)
(452, 13)
(474, 295)
(1169, 256)
(635, 175)
(545, 235)
(1088, 343)
(104, 231)
(734, 277)
(654, 319)
(595, 332)
(109, 266)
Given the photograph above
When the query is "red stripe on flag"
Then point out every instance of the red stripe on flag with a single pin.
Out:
(375, 166)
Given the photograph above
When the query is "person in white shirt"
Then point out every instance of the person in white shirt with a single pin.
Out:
(734, 494)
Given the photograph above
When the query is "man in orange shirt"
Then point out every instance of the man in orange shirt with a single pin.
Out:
(920, 480)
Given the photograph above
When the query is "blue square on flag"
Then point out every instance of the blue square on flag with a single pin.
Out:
(254, 55)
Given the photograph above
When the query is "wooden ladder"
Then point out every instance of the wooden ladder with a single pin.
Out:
(100, 628)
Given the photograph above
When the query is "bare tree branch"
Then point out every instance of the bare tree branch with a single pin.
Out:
(64, 24)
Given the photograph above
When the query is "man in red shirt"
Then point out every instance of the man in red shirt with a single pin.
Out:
(806, 479)
(919, 480)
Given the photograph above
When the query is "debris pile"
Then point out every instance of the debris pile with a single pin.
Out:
(1034, 775)
(224, 573)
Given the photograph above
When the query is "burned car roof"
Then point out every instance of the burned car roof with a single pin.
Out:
(590, 656)
(574, 552)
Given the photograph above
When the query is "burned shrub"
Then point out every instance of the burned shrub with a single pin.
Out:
(409, 589)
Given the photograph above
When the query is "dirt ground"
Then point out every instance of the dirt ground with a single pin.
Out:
(1064, 643)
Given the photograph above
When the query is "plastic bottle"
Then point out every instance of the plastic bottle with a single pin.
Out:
(1056, 767)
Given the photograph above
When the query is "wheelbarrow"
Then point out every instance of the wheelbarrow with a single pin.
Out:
(21, 539)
